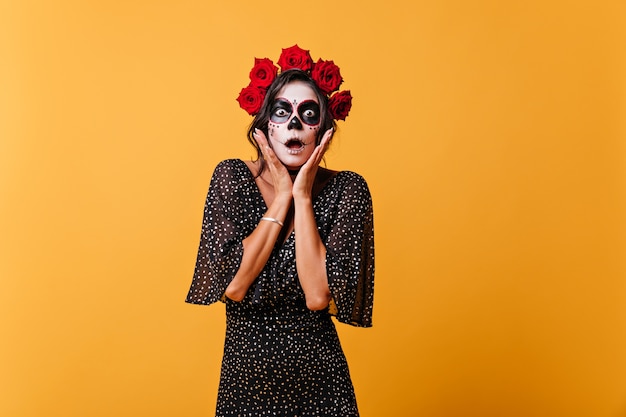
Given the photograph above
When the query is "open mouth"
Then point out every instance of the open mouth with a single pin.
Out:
(294, 146)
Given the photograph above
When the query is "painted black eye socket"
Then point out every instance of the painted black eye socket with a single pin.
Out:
(281, 110)
(309, 112)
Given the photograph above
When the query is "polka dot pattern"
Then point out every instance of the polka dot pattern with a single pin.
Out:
(280, 358)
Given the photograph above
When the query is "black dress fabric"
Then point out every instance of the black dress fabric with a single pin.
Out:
(280, 358)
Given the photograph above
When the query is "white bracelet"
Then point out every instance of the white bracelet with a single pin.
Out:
(273, 220)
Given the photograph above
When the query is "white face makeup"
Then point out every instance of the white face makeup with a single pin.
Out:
(294, 123)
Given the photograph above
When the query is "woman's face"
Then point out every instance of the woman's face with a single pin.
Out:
(294, 123)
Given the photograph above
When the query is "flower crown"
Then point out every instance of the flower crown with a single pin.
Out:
(324, 73)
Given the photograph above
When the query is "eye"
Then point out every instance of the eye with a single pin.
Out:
(309, 113)
(281, 112)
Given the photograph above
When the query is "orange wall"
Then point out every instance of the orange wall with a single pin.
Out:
(491, 134)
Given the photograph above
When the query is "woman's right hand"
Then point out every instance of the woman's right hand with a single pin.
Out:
(258, 245)
(283, 185)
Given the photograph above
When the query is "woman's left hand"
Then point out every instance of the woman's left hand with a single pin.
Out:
(303, 183)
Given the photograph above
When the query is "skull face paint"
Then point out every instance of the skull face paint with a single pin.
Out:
(308, 112)
(294, 124)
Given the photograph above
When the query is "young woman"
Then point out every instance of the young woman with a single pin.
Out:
(286, 244)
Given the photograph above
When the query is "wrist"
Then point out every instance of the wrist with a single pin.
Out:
(304, 198)
(283, 197)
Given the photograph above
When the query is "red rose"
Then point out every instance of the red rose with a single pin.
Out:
(251, 99)
(327, 76)
(339, 105)
(294, 57)
(263, 73)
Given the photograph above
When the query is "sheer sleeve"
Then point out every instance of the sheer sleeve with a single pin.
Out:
(350, 254)
(221, 247)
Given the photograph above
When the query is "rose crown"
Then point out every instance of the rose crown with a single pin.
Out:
(324, 73)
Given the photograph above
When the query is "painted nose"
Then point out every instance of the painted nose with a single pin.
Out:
(294, 123)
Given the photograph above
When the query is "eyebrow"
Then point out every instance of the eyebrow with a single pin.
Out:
(282, 102)
(294, 102)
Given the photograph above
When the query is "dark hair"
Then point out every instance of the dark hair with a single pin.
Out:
(261, 120)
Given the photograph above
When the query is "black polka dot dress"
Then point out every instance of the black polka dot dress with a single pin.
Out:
(280, 358)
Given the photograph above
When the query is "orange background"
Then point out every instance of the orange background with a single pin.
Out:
(491, 134)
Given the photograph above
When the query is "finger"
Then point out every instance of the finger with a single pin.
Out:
(314, 160)
(323, 146)
(275, 166)
(328, 135)
(260, 138)
(325, 142)
(264, 146)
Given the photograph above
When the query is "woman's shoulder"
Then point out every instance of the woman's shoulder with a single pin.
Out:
(230, 172)
(232, 163)
(231, 167)
(236, 164)
(350, 177)
(350, 183)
